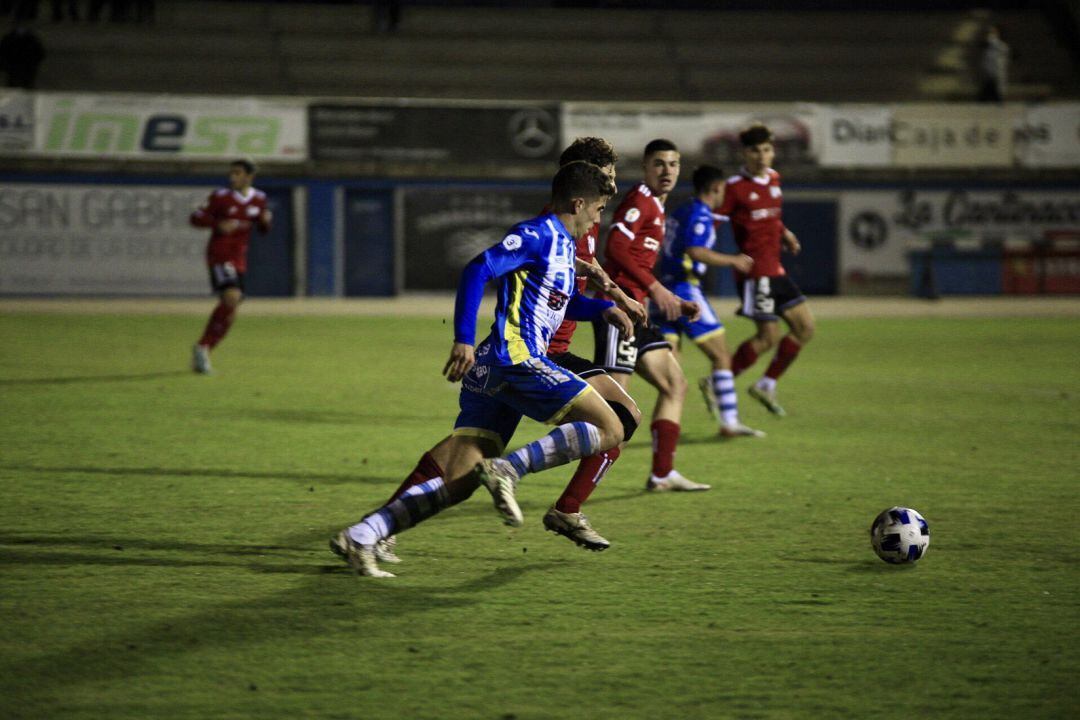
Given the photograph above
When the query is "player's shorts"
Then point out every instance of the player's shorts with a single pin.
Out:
(700, 330)
(576, 364)
(766, 298)
(494, 398)
(224, 275)
(620, 355)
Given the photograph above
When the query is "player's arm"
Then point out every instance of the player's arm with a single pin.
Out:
(581, 307)
(740, 262)
(600, 280)
(791, 242)
(507, 256)
(204, 215)
(265, 220)
(618, 250)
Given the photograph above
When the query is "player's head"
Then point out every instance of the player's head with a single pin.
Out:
(661, 165)
(580, 190)
(709, 185)
(241, 174)
(757, 147)
(595, 150)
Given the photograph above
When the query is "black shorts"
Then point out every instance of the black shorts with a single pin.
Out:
(577, 365)
(224, 275)
(620, 355)
(766, 298)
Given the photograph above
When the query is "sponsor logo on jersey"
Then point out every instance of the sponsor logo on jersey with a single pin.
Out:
(557, 300)
(765, 213)
(699, 229)
(775, 191)
(512, 242)
(754, 196)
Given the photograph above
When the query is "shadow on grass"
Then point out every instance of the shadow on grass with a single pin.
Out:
(329, 601)
(203, 472)
(74, 380)
(331, 417)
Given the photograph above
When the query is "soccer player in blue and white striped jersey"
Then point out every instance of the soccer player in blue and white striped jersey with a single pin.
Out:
(687, 252)
(508, 375)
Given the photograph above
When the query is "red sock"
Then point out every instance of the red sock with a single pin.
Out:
(744, 357)
(785, 355)
(426, 469)
(220, 321)
(665, 436)
(590, 472)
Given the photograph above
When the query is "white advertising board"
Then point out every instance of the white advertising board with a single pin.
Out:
(167, 127)
(101, 240)
(879, 227)
(1049, 136)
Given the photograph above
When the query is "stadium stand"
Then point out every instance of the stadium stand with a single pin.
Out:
(597, 54)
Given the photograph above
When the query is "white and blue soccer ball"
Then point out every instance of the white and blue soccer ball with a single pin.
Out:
(900, 535)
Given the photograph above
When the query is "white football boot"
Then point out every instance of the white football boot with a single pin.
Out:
(674, 482)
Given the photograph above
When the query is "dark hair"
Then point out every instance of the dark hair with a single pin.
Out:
(659, 145)
(755, 135)
(704, 177)
(248, 165)
(595, 150)
(580, 179)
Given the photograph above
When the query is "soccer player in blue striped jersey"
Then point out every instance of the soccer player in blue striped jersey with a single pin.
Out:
(508, 375)
(689, 239)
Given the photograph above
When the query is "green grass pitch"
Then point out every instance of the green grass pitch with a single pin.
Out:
(163, 536)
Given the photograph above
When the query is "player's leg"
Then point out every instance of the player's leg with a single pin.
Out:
(565, 517)
(229, 284)
(482, 428)
(720, 388)
(793, 308)
(585, 425)
(454, 456)
(758, 305)
(660, 369)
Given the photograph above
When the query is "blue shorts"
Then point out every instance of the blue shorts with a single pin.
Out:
(495, 397)
(705, 327)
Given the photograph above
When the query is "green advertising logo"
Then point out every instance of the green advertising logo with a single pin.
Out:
(108, 133)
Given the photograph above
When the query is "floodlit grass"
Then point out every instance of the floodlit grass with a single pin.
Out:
(163, 536)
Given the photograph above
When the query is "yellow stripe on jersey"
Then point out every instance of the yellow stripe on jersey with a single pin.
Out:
(688, 266)
(515, 343)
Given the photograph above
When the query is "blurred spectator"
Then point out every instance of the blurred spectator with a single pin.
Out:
(58, 10)
(21, 52)
(386, 15)
(993, 67)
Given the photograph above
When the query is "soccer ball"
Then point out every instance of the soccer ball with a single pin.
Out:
(900, 535)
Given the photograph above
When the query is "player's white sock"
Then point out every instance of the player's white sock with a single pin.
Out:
(767, 384)
(723, 382)
(416, 504)
(564, 444)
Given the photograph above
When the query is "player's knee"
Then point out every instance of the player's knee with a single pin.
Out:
(232, 297)
(678, 385)
(629, 417)
(805, 333)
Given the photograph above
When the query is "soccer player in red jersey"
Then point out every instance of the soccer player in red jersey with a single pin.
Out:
(632, 246)
(231, 213)
(753, 203)
(565, 517)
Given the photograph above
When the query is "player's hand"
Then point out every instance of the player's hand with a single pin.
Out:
(228, 226)
(615, 316)
(668, 303)
(690, 310)
(742, 263)
(462, 358)
(633, 309)
(596, 275)
(266, 216)
(791, 242)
